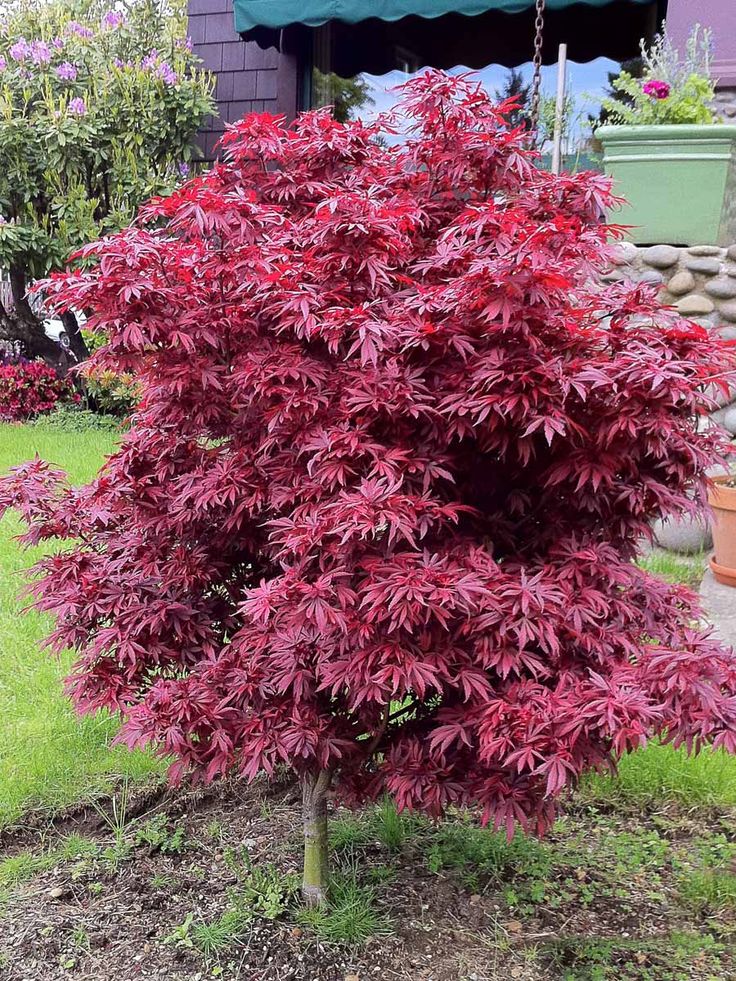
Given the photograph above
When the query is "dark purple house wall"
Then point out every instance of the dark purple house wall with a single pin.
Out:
(720, 16)
(248, 79)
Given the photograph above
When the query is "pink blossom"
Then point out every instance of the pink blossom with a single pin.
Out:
(67, 71)
(3, 64)
(77, 107)
(657, 89)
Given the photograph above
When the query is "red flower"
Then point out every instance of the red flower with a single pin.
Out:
(655, 88)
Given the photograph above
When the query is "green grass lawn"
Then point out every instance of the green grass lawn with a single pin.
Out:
(48, 756)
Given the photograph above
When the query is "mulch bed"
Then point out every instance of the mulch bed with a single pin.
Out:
(93, 920)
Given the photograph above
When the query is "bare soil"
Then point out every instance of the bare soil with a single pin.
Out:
(609, 905)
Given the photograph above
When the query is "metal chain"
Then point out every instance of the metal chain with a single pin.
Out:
(537, 61)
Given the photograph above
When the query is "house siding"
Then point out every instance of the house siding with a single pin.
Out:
(248, 78)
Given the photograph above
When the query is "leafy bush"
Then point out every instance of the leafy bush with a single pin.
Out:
(670, 90)
(30, 388)
(100, 104)
(377, 512)
(112, 393)
(72, 418)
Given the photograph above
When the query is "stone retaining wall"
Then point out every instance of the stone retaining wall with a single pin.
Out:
(725, 103)
(699, 281)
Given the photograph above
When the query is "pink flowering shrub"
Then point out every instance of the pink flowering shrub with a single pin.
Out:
(376, 515)
(30, 388)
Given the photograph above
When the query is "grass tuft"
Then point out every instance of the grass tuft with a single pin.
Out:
(350, 916)
(391, 828)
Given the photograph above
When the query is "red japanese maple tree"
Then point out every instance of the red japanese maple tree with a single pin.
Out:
(376, 515)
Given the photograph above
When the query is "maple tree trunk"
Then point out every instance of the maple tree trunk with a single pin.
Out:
(20, 323)
(314, 812)
(77, 342)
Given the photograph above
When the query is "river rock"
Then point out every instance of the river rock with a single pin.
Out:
(704, 265)
(731, 253)
(685, 534)
(624, 253)
(651, 276)
(682, 282)
(728, 311)
(708, 322)
(695, 305)
(722, 287)
(729, 419)
(661, 256)
(704, 250)
(727, 332)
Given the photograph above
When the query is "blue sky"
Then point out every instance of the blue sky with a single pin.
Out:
(585, 81)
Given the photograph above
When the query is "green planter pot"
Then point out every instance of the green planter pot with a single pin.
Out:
(679, 182)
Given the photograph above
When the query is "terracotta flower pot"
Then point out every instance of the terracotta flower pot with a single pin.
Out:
(722, 499)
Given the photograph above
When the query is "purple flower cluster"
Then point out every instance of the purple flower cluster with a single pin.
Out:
(9, 358)
(166, 73)
(656, 89)
(113, 19)
(38, 51)
(151, 60)
(74, 27)
(3, 64)
(159, 69)
(67, 71)
(20, 50)
(78, 107)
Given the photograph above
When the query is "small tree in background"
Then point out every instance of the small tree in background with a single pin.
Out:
(346, 96)
(376, 514)
(98, 111)
(514, 88)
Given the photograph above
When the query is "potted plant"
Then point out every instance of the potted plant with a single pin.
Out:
(722, 499)
(671, 159)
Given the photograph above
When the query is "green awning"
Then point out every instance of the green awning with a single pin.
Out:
(277, 14)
